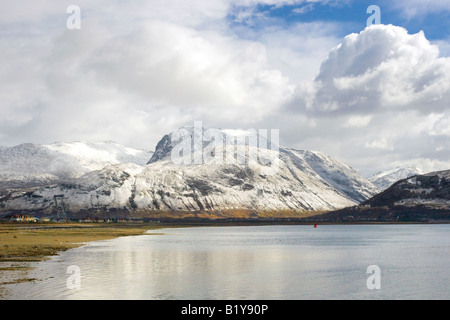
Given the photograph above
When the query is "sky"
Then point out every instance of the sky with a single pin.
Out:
(375, 97)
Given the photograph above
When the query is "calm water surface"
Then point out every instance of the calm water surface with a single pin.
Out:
(260, 263)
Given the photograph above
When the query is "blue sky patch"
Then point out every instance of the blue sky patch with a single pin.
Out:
(350, 16)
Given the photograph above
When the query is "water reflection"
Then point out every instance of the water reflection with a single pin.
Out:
(294, 262)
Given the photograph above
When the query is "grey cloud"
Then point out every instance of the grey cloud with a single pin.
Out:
(137, 71)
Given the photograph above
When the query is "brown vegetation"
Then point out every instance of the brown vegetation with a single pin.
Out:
(24, 243)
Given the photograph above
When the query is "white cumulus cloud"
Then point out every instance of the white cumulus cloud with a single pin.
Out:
(381, 69)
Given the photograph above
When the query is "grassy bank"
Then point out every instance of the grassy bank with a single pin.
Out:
(21, 244)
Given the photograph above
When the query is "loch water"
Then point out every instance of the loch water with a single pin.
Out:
(253, 263)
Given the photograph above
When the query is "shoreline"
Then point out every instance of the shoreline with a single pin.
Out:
(24, 244)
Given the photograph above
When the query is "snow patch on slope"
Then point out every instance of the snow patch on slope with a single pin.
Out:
(384, 180)
(30, 165)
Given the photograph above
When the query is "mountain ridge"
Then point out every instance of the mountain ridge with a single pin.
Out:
(383, 180)
(277, 179)
(32, 165)
(421, 198)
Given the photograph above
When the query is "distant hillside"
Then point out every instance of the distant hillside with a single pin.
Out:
(384, 180)
(32, 165)
(422, 198)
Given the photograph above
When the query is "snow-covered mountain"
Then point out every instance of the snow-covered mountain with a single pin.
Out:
(30, 165)
(339, 175)
(422, 198)
(200, 141)
(432, 189)
(384, 180)
(216, 173)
